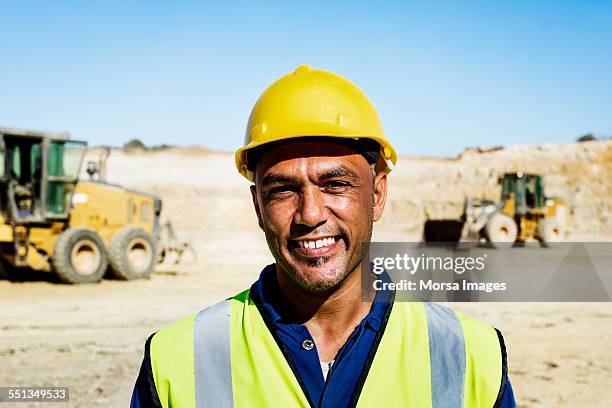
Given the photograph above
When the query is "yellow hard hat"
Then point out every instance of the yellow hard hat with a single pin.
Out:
(312, 102)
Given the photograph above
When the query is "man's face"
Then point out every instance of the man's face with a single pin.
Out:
(316, 202)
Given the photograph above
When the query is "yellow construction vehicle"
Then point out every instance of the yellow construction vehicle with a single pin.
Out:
(52, 221)
(523, 213)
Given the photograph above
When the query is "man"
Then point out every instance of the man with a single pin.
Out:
(301, 335)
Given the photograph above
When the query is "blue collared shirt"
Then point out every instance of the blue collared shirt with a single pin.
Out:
(344, 374)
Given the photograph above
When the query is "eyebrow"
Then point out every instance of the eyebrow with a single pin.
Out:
(338, 171)
(278, 178)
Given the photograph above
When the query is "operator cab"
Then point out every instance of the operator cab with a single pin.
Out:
(38, 172)
(527, 189)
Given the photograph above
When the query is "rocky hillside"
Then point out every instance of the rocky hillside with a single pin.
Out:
(436, 188)
(202, 191)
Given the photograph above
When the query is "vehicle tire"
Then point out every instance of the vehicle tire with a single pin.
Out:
(79, 256)
(501, 231)
(550, 230)
(132, 254)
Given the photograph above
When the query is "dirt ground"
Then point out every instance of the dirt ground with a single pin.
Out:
(90, 338)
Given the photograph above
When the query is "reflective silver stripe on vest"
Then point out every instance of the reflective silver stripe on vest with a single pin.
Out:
(446, 357)
(211, 349)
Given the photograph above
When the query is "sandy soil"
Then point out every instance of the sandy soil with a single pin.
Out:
(91, 338)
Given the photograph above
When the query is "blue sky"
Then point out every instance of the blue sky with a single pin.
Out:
(443, 76)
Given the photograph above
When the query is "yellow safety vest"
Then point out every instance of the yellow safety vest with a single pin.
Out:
(425, 355)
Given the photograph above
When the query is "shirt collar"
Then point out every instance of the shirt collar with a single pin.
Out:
(265, 292)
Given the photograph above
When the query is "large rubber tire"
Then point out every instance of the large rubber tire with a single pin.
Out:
(501, 231)
(132, 254)
(79, 256)
(550, 230)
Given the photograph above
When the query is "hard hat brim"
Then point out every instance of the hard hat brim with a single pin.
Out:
(387, 153)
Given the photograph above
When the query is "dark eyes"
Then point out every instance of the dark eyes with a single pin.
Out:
(282, 191)
(336, 185)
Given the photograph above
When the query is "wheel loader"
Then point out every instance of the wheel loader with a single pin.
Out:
(50, 220)
(523, 213)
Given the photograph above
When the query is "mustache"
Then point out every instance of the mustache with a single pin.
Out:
(298, 231)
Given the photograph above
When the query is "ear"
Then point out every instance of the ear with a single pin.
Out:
(380, 194)
(256, 205)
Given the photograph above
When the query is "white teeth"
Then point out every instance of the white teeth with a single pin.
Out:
(319, 243)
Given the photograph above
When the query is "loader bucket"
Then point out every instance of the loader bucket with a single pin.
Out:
(442, 230)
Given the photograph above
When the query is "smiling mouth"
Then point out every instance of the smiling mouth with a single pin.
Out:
(316, 246)
(316, 243)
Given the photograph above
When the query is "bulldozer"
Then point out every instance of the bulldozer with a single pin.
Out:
(523, 213)
(50, 220)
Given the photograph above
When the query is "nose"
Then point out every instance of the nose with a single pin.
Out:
(311, 211)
